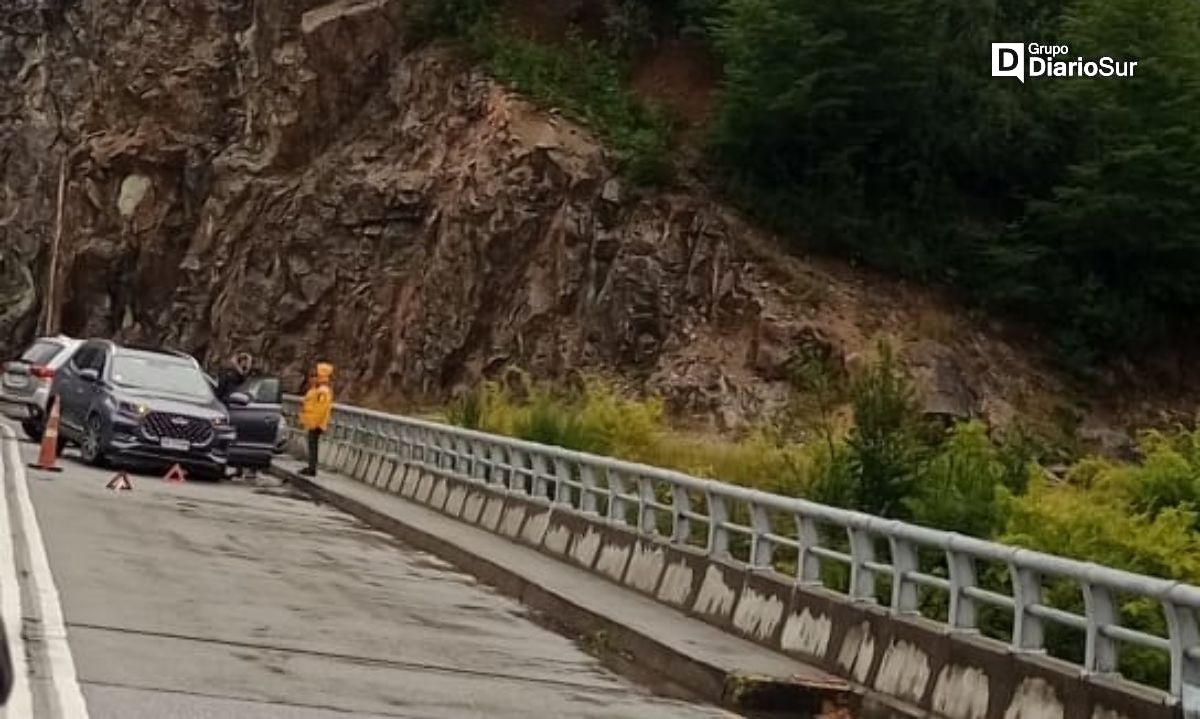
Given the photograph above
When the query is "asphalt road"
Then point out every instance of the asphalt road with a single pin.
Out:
(232, 600)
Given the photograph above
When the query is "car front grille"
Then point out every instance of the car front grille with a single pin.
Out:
(160, 425)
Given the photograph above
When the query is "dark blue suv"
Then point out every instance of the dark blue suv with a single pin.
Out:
(142, 406)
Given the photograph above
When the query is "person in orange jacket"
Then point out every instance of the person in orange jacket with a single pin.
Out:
(315, 413)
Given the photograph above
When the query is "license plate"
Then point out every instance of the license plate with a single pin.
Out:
(179, 444)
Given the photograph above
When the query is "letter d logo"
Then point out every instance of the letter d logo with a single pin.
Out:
(1008, 60)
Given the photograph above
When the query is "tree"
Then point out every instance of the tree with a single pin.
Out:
(1113, 251)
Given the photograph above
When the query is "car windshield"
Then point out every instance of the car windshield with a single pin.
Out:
(263, 390)
(42, 352)
(161, 374)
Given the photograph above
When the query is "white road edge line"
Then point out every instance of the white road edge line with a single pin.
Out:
(20, 701)
(62, 664)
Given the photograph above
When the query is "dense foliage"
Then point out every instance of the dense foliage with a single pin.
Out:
(1072, 197)
(874, 129)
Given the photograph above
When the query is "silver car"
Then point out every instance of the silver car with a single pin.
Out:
(25, 384)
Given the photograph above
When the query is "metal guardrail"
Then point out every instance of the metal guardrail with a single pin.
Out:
(716, 518)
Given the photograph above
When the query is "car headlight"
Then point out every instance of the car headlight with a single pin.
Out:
(220, 421)
(134, 409)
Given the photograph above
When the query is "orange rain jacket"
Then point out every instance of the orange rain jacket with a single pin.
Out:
(318, 401)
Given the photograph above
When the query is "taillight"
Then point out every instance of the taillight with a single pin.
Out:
(42, 372)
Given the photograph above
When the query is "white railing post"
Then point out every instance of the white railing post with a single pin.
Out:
(904, 563)
(718, 533)
(516, 464)
(1184, 637)
(681, 524)
(1028, 634)
(862, 550)
(647, 517)
(1100, 652)
(808, 564)
(762, 549)
(501, 468)
(961, 567)
(562, 490)
(480, 458)
(616, 500)
(539, 466)
(587, 489)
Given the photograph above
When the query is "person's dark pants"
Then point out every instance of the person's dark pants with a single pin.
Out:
(314, 442)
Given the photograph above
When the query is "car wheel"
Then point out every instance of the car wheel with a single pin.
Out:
(92, 449)
(33, 429)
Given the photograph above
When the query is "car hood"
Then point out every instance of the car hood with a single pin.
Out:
(174, 404)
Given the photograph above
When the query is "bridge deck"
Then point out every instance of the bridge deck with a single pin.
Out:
(229, 600)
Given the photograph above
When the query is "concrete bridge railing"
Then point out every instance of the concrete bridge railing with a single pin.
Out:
(824, 584)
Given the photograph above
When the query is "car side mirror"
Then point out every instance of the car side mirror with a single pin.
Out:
(89, 375)
(239, 399)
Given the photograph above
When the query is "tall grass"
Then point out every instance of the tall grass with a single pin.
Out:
(599, 420)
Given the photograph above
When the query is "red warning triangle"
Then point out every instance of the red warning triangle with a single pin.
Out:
(119, 482)
(176, 474)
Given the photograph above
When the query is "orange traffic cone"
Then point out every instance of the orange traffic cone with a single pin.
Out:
(119, 482)
(49, 451)
(175, 475)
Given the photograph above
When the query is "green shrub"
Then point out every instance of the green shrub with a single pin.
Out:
(1094, 526)
(588, 84)
(470, 410)
(876, 469)
(1168, 477)
(964, 487)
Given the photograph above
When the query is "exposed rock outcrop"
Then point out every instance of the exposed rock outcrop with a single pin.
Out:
(283, 177)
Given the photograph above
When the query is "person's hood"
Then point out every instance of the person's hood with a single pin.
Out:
(324, 371)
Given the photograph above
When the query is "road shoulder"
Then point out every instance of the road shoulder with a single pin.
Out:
(47, 683)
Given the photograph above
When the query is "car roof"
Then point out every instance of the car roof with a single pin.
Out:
(159, 352)
(66, 347)
(59, 339)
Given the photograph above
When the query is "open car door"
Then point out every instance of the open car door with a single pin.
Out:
(258, 421)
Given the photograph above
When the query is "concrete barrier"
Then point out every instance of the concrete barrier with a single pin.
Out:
(647, 563)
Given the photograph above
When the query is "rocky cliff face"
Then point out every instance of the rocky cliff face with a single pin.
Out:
(283, 177)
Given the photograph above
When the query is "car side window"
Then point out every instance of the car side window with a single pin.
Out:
(90, 357)
(100, 360)
(262, 390)
(82, 357)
